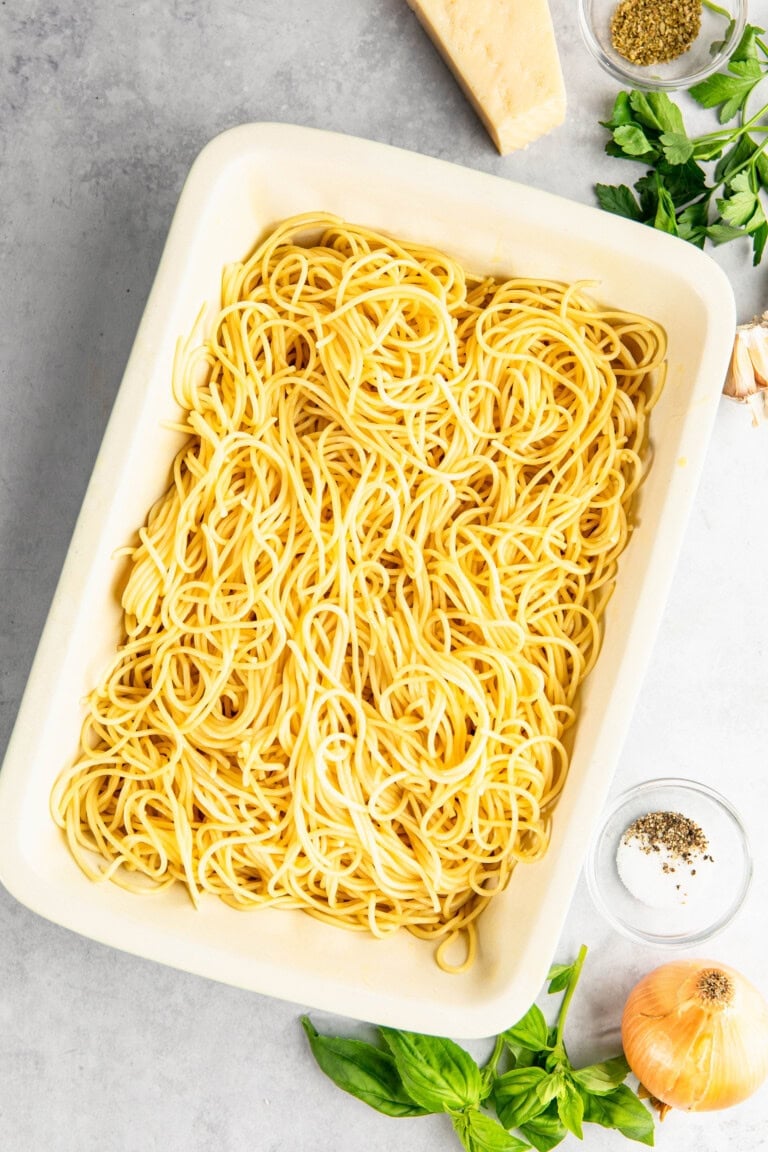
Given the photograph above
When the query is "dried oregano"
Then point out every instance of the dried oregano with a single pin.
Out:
(653, 31)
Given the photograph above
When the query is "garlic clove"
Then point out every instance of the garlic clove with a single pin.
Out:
(758, 350)
(747, 378)
(758, 404)
(740, 381)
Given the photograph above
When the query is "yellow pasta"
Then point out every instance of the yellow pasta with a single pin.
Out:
(356, 623)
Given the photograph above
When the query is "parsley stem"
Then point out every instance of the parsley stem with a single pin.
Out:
(575, 973)
(752, 122)
(716, 8)
(729, 134)
(748, 163)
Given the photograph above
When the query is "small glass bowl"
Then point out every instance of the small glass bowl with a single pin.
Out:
(681, 926)
(709, 52)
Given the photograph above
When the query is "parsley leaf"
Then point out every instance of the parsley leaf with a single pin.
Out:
(759, 238)
(692, 223)
(676, 146)
(737, 207)
(633, 141)
(698, 188)
(622, 112)
(728, 90)
(656, 110)
(723, 233)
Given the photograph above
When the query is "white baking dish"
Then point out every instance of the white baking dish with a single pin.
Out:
(243, 183)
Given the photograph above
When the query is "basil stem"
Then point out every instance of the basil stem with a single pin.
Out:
(566, 1003)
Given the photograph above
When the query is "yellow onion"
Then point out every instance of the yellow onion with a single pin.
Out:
(695, 1033)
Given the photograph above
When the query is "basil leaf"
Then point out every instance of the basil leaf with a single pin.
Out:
(481, 1133)
(545, 1131)
(436, 1073)
(362, 1070)
(570, 1106)
(621, 1109)
(523, 1093)
(604, 1077)
(530, 1032)
(559, 975)
(522, 1057)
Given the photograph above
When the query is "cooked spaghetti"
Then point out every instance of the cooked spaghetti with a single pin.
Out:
(356, 623)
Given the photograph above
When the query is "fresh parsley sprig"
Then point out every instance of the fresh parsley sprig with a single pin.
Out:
(528, 1081)
(678, 195)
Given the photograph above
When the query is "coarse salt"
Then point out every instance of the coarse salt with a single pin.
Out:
(665, 860)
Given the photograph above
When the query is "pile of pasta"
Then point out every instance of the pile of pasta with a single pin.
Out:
(356, 623)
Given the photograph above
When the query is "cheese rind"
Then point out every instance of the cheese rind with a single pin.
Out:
(504, 55)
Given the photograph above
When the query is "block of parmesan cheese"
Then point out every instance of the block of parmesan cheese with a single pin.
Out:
(504, 55)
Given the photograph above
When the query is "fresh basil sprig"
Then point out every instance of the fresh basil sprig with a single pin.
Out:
(435, 1072)
(364, 1071)
(528, 1081)
(676, 194)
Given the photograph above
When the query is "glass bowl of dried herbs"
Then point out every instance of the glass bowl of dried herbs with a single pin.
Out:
(662, 44)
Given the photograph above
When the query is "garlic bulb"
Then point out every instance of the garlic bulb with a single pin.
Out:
(695, 1033)
(747, 379)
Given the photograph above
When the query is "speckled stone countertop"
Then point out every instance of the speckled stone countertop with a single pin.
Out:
(103, 107)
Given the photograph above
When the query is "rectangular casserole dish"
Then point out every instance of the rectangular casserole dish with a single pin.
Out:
(242, 184)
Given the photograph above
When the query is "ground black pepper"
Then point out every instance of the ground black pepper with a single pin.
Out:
(653, 31)
(680, 836)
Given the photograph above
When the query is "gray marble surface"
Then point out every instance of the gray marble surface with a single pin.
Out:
(102, 109)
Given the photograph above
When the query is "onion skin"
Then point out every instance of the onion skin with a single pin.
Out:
(695, 1033)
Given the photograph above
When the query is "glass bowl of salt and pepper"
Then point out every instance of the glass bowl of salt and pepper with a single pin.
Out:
(670, 864)
(662, 44)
